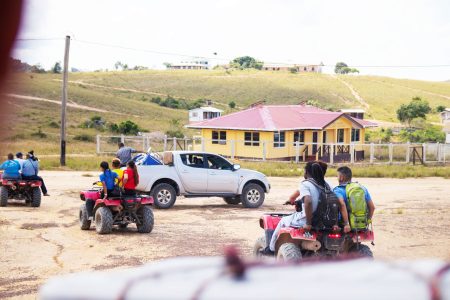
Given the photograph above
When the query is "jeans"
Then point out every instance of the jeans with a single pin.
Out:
(284, 222)
(8, 176)
(39, 178)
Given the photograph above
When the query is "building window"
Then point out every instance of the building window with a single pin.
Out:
(251, 138)
(219, 137)
(299, 136)
(279, 139)
(340, 135)
(355, 135)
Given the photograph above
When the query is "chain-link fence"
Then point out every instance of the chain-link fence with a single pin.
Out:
(285, 151)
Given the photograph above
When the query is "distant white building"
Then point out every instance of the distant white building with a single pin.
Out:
(204, 113)
(445, 118)
(297, 67)
(354, 112)
(190, 65)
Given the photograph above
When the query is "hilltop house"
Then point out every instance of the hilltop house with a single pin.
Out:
(204, 113)
(282, 132)
(297, 67)
(354, 112)
(190, 65)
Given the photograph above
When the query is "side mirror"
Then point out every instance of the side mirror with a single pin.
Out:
(236, 167)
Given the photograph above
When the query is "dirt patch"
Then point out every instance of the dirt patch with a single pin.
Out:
(32, 226)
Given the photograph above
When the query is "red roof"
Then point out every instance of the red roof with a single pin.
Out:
(278, 118)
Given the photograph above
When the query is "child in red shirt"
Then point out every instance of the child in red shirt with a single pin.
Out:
(130, 178)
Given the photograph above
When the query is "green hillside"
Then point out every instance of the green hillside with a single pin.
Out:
(126, 96)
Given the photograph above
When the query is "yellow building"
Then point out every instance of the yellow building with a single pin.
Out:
(283, 132)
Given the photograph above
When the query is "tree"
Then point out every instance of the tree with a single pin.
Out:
(232, 104)
(417, 108)
(57, 69)
(293, 70)
(37, 68)
(175, 129)
(343, 68)
(246, 62)
(167, 65)
(440, 108)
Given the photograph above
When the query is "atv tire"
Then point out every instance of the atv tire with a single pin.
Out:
(252, 195)
(103, 220)
(85, 223)
(3, 196)
(164, 195)
(147, 219)
(289, 252)
(35, 197)
(232, 200)
(259, 246)
(362, 251)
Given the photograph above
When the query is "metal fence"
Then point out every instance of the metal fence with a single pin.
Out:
(391, 153)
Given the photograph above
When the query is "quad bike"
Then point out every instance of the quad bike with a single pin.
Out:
(120, 211)
(18, 189)
(294, 243)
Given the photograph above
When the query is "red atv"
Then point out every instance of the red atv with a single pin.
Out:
(18, 189)
(119, 211)
(294, 243)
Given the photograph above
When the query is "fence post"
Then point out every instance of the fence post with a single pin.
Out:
(424, 149)
(264, 150)
(332, 154)
(232, 149)
(438, 151)
(372, 150)
(165, 143)
(408, 145)
(297, 151)
(98, 143)
(174, 144)
(445, 151)
(352, 153)
(391, 153)
(144, 144)
(122, 138)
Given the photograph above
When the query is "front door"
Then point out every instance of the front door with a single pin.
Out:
(221, 176)
(314, 140)
(193, 173)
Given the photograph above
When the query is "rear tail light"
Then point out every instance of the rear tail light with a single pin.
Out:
(22, 183)
(334, 235)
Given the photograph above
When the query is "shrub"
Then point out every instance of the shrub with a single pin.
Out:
(126, 127)
(84, 138)
(39, 134)
(430, 133)
(53, 124)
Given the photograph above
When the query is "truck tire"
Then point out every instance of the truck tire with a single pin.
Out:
(85, 223)
(35, 197)
(4, 196)
(147, 219)
(103, 220)
(259, 246)
(362, 251)
(252, 195)
(232, 200)
(289, 252)
(164, 195)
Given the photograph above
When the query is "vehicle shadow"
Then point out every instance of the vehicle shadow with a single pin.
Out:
(180, 207)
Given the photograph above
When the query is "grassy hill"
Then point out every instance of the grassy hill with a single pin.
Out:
(127, 95)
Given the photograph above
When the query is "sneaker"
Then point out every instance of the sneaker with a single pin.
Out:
(46, 195)
(267, 251)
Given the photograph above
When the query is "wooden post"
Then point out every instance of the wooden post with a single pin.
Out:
(332, 154)
(297, 151)
(98, 143)
(122, 138)
(408, 151)
(424, 153)
(391, 152)
(372, 150)
(165, 143)
(352, 153)
(174, 144)
(62, 159)
(438, 152)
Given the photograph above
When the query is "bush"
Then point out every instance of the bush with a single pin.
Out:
(126, 127)
(53, 124)
(429, 134)
(379, 136)
(84, 138)
(440, 108)
(39, 134)
(175, 133)
(94, 122)
(232, 104)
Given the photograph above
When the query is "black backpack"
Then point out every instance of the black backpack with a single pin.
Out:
(327, 213)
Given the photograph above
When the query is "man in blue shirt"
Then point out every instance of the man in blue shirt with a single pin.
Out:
(30, 171)
(344, 178)
(124, 154)
(11, 168)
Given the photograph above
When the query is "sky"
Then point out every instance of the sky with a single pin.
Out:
(377, 37)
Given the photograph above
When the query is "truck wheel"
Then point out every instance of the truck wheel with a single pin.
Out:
(289, 252)
(164, 195)
(232, 200)
(259, 246)
(252, 196)
(35, 197)
(3, 196)
(147, 219)
(362, 250)
(85, 223)
(103, 220)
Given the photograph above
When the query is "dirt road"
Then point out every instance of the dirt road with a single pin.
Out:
(411, 221)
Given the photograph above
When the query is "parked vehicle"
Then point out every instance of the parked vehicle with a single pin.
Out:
(201, 174)
(120, 211)
(18, 189)
(294, 243)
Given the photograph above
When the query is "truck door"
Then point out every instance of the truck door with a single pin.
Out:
(193, 173)
(221, 177)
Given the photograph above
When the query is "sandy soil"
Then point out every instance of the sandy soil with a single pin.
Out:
(411, 221)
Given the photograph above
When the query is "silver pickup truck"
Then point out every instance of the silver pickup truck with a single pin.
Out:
(200, 174)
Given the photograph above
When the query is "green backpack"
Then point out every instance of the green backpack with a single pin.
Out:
(357, 206)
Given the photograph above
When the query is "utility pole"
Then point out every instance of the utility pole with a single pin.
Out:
(64, 102)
